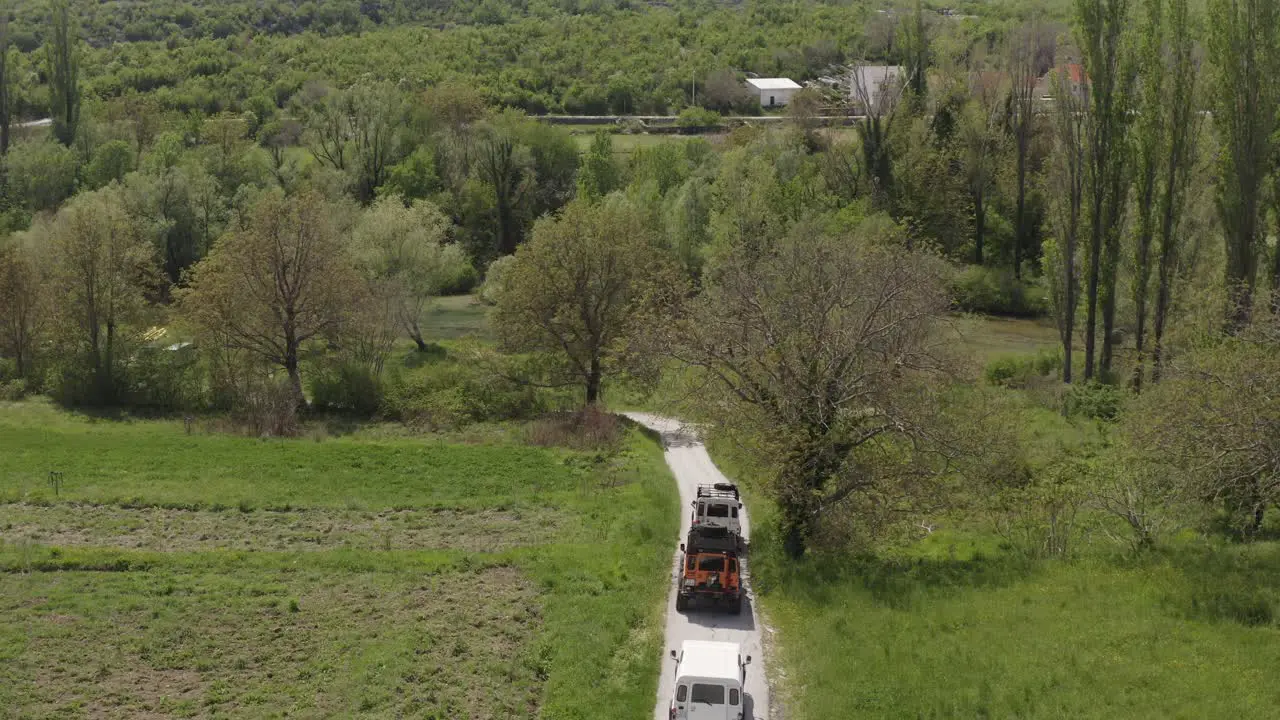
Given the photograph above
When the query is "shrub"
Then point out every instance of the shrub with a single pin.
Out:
(1016, 371)
(1094, 400)
(997, 292)
(460, 280)
(266, 408)
(493, 279)
(451, 394)
(13, 390)
(165, 379)
(347, 387)
(693, 118)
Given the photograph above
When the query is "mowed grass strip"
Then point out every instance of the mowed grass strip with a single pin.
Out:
(168, 529)
(156, 463)
(259, 643)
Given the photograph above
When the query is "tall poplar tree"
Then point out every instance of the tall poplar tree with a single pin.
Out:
(62, 56)
(1242, 47)
(1108, 75)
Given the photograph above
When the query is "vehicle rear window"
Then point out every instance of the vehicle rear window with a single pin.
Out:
(717, 511)
(682, 693)
(733, 696)
(712, 563)
(711, 694)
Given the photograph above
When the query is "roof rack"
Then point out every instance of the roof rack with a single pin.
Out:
(711, 539)
(723, 490)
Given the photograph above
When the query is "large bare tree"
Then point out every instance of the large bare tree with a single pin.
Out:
(824, 348)
(284, 279)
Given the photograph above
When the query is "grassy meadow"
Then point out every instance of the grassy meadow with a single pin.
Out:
(961, 622)
(366, 575)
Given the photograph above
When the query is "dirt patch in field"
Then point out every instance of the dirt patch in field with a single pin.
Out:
(279, 643)
(163, 529)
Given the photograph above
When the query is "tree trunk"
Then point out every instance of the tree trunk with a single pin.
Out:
(1020, 228)
(295, 377)
(979, 226)
(1163, 295)
(1140, 302)
(1069, 301)
(594, 377)
(1091, 316)
(1275, 267)
(1112, 261)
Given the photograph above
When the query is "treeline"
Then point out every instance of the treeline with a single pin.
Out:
(549, 59)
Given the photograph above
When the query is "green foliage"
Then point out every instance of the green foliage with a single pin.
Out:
(346, 387)
(1017, 371)
(413, 178)
(1096, 400)
(111, 161)
(40, 174)
(996, 291)
(694, 118)
(456, 392)
(599, 174)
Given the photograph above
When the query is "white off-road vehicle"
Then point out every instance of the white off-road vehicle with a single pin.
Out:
(709, 679)
(718, 505)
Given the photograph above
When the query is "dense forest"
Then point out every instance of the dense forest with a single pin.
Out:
(537, 58)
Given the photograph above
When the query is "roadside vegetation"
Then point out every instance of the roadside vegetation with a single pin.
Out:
(996, 364)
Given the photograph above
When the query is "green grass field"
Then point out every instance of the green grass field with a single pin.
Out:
(360, 576)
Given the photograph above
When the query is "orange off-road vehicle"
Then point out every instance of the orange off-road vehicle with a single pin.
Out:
(710, 570)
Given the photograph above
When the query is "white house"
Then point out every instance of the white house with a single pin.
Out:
(773, 92)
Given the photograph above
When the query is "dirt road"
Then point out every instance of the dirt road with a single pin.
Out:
(691, 466)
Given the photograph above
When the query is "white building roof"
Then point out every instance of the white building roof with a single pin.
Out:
(773, 84)
(706, 659)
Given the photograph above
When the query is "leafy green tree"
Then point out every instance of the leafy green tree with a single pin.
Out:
(111, 161)
(1168, 129)
(1243, 49)
(104, 268)
(404, 249)
(916, 54)
(575, 290)
(982, 148)
(1026, 45)
(415, 177)
(40, 174)
(599, 174)
(24, 307)
(62, 58)
(277, 137)
(6, 80)
(1101, 32)
(1066, 180)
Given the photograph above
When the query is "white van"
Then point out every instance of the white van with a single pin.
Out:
(718, 505)
(709, 678)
